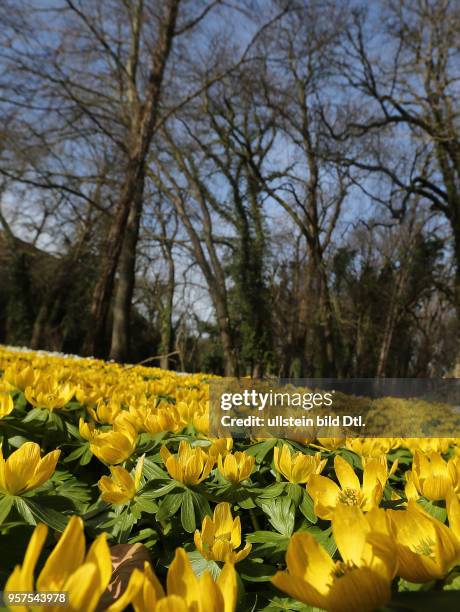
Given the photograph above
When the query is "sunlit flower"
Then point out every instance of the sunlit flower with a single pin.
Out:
(121, 487)
(25, 470)
(162, 419)
(6, 404)
(114, 447)
(185, 591)
(49, 393)
(331, 443)
(426, 548)
(327, 494)
(83, 577)
(219, 447)
(432, 477)
(189, 466)
(297, 467)
(237, 467)
(105, 412)
(371, 447)
(360, 581)
(20, 377)
(221, 536)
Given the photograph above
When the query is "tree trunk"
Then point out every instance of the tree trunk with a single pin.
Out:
(140, 142)
(166, 314)
(119, 350)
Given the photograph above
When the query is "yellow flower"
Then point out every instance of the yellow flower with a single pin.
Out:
(87, 430)
(297, 467)
(24, 470)
(221, 536)
(201, 422)
(236, 468)
(105, 412)
(361, 581)
(67, 568)
(6, 404)
(432, 477)
(426, 548)
(185, 591)
(112, 447)
(20, 378)
(331, 443)
(189, 466)
(187, 410)
(49, 393)
(121, 487)
(428, 445)
(371, 447)
(327, 494)
(219, 447)
(162, 419)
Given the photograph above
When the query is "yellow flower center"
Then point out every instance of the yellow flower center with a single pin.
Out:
(350, 497)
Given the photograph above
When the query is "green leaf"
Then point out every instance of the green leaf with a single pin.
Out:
(254, 571)
(153, 489)
(201, 504)
(146, 505)
(187, 513)
(261, 449)
(281, 514)
(267, 537)
(200, 564)
(152, 471)
(295, 492)
(50, 517)
(306, 508)
(273, 491)
(24, 511)
(6, 503)
(36, 414)
(169, 506)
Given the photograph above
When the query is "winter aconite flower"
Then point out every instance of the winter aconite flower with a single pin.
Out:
(360, 581)
(426, 548)
(25, 470)
(83, 576)
(49, 393)
(237, 467)
(327, 494)
(297, 467)
(432, 477)
(114, 446)
(121, 487)
(221, 536)
(189, 466)
(185, 592)
(6, 404)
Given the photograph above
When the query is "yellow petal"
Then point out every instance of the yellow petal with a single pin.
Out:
(360, 589)
(325, 494)
(299, 589)
(181, 580)
(67, 556)
(307, 559)
(22, 579)
(346, 474)
(228, 586)
(99, 554)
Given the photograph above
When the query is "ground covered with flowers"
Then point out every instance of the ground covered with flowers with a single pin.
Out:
(112, 490)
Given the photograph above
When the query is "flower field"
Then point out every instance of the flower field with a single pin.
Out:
(112, 491)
